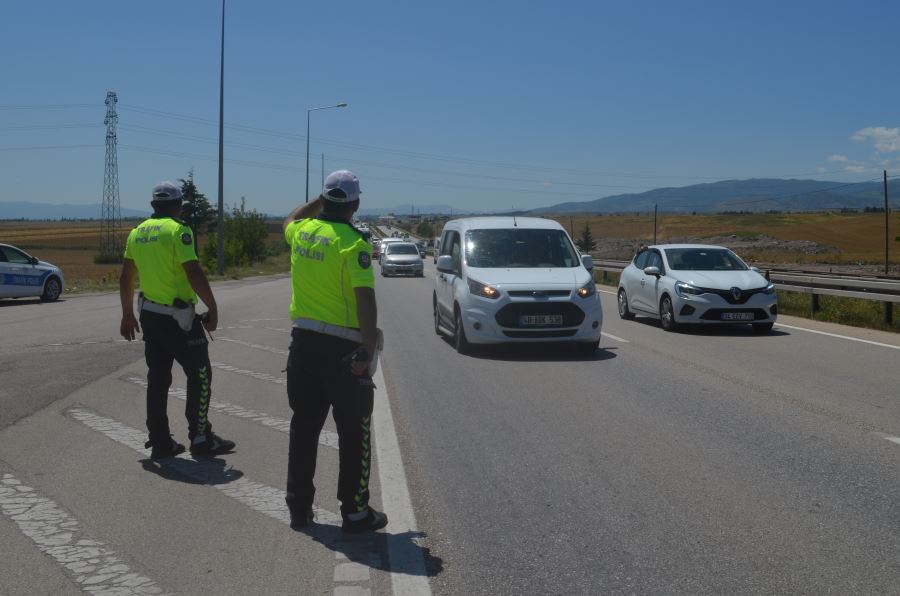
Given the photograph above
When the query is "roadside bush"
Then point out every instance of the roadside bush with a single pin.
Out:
(245, 239)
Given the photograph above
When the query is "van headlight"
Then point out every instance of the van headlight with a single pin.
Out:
(587, 290)
(770, 289)
(682, 289)
(484, 290)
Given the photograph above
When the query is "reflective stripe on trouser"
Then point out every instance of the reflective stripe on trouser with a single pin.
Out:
(318, 379)
(164, 344)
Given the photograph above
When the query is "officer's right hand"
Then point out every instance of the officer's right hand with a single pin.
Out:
(129, 327)
(211, 320)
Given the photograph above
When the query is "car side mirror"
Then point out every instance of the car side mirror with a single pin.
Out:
(654, 271)
(445, 264)
(588, 262)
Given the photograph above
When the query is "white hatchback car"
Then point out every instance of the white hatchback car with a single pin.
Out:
(22, 275)
(696, 283)
(514, 279)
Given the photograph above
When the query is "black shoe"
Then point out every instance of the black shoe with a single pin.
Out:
(163, 451)
(301, 520)
(213, 445)
(375, 520)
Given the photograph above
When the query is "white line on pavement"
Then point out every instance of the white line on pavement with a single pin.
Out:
(255, 346)
(407, 564)
(614, 337)
(865, 341)
(248, 373)
(327, 438)
(97, 569)
(606, 292)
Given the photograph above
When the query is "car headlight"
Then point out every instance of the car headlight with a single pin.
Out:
(770, 289)
(587, 290)
(682, 288)
(476, 287)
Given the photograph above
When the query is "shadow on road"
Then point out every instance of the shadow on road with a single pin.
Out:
(372, 549)
(19, 301)
(192, 471)
(536, 352)
(715, 330)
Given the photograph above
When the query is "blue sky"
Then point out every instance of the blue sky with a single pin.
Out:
(480, 105)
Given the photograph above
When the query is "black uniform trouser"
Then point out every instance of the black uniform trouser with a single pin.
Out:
(319, 377)
(164, 343)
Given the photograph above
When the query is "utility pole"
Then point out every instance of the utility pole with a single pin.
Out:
(655, 206)
(220, 236)
(888, 306)
(111, 219)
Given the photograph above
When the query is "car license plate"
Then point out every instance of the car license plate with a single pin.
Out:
(540, 320)
(737, 316)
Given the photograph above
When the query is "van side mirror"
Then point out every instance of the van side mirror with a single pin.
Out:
(654, 271)
(588, 262)
(445, 264)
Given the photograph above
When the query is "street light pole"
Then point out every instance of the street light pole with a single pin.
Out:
(340, 105)
(220, 235)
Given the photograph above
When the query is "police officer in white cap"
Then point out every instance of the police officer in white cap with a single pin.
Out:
(160, 251)
(334, 340)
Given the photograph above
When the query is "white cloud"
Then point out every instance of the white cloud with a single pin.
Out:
(821, 170)
(886, 139)
(837, 157)
(855, 169)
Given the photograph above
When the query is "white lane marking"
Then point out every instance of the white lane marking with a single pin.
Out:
(255, 346)
(891, 439)
(864, 341)
(327, 438)
(97, 569)
(606, 292)
(260, 320)
(616, 338)
(248, 373)
(407, 564)
(259, 497)
(288, 331)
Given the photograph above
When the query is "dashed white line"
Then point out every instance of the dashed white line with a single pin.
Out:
(95, 568)
(614, 337)
(864, 341)
(255, 346)
(606, 291)
(249, 373)
(327, 438)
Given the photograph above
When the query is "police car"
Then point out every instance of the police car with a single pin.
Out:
(22, 275)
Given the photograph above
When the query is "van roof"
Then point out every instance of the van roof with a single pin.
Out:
(502, 222)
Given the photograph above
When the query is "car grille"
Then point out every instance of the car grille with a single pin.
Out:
(539, 293)
(729, 297)
(715, 314)
(508, 316)
(540, 334)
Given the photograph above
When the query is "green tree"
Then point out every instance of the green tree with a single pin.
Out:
(586, 242)
(425, 230)
(197, 213)
(245, 238)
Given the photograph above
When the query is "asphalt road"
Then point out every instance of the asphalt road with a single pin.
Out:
(710, 461)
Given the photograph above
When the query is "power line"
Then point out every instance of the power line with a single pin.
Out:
(41, 147)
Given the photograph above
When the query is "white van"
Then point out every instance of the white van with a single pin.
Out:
(514, 279)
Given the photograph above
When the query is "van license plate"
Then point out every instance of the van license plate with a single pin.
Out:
(540, 320)
(737, 316)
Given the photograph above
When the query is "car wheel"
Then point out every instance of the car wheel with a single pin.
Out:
(437, 315)
(623, 305)
(762, 327)
(667, 314)
(461, 344)
(587, 348)
(52, 290)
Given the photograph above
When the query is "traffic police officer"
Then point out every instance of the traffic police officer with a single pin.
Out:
(160, 251)
(334, 340)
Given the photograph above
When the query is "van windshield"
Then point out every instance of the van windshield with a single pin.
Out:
(519, 248)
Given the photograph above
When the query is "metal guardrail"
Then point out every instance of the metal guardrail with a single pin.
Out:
(882, 289)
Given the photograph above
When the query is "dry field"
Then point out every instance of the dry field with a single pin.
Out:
(72, 246)
(798, 238)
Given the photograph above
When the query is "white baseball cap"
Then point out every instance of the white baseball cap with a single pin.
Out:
(166, 191)
(341, 186)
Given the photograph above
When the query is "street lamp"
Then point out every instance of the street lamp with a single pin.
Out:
(340, 105)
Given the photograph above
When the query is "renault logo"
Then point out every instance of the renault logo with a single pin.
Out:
(736, 293)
